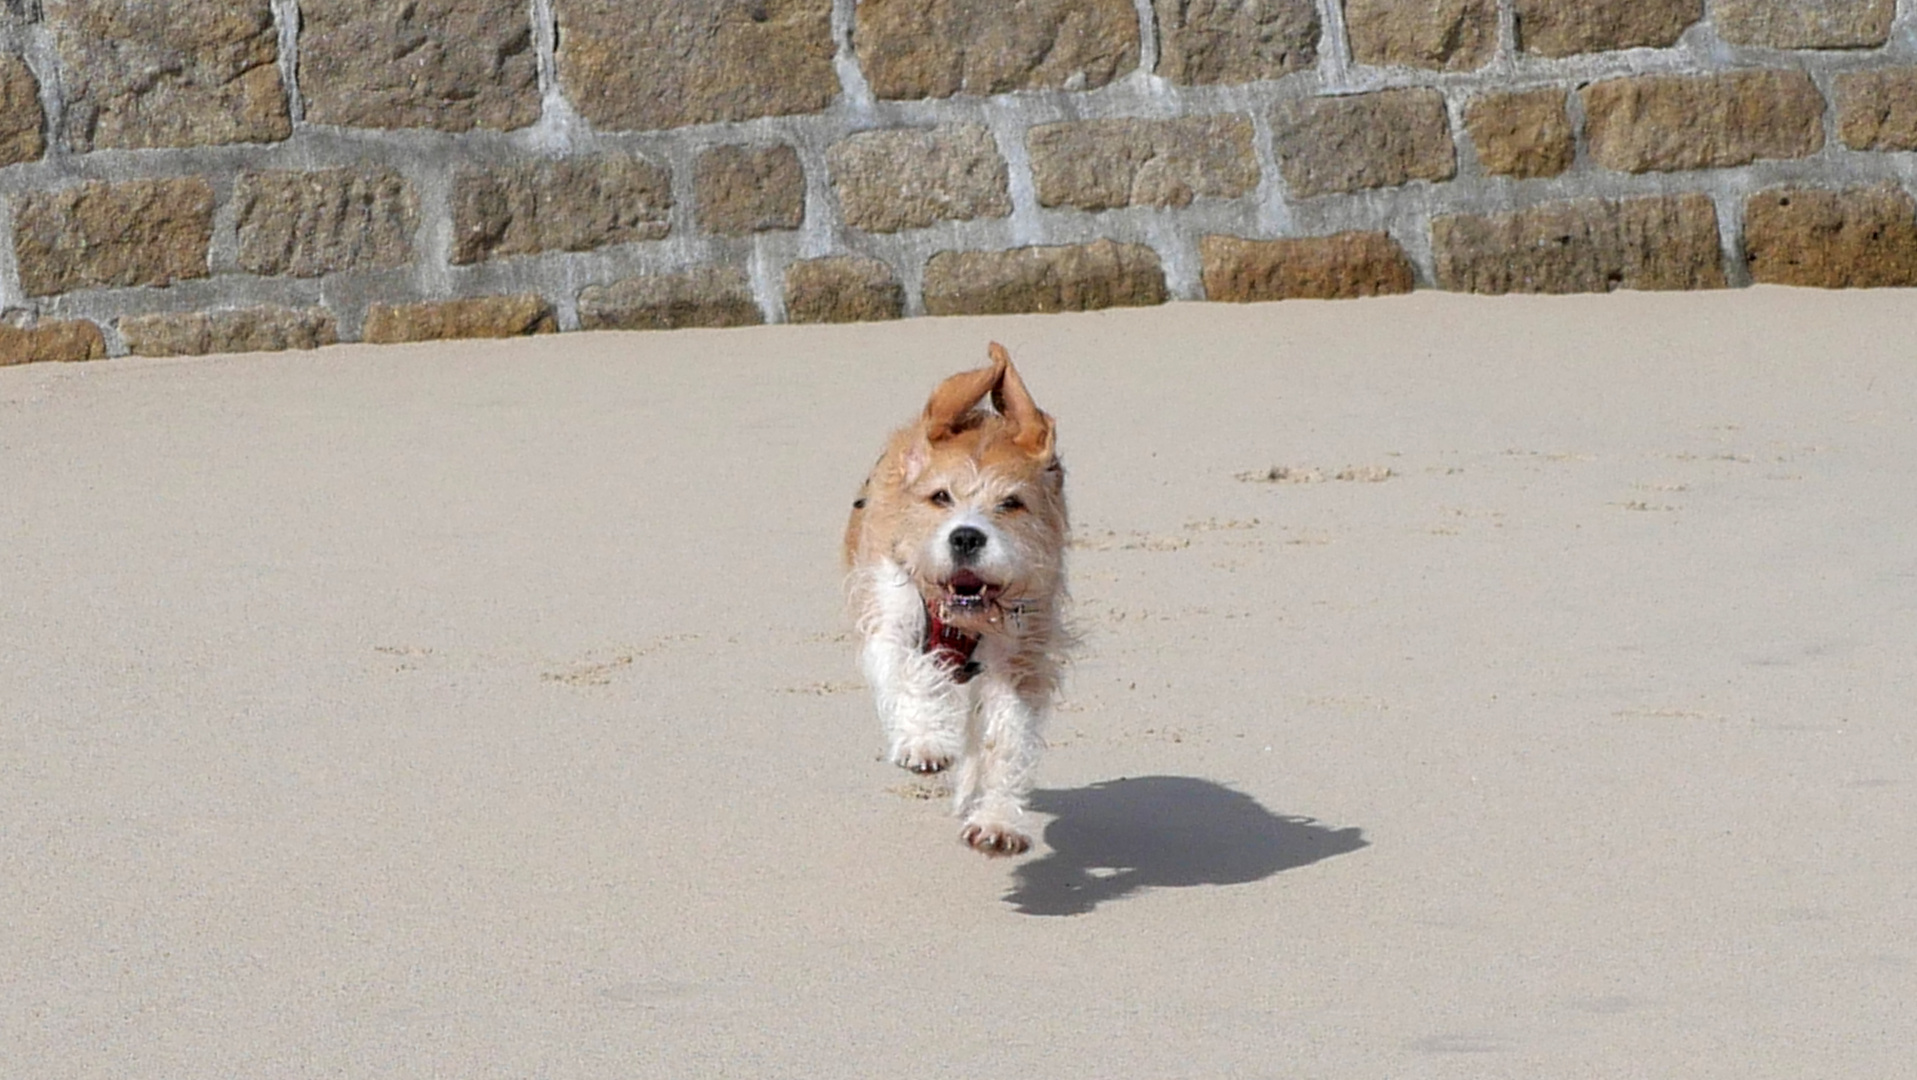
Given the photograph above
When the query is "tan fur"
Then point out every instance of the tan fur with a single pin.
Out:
(997, 471)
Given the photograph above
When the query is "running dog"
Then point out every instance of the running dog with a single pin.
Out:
(956, 559)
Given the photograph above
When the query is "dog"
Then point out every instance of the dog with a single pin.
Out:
(955, 553)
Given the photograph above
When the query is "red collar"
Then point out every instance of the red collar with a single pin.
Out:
(950, 646)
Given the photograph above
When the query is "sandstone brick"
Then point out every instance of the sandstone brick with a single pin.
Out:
(140, 232)
(710, 296)
(910, 178)
(1081, 277)
(49, 340)
(181, 73)
(1445, 35)
(1861, 238)
(843, 288)
(476, 317)
(255, 329)
(1804, 24)
(21, 120)
(312, 223)
(1100, 164)
(1381, 139)
(1525, 134)
(667, 63)
(1877, 110)
(1349, 264)
(1202, 42)
(1671, 122)
(743, 189)
(937, 48)
(454, 65)
(571, 205)
(1567, 27)
(1584, 245)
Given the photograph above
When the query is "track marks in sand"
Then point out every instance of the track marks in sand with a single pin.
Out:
(1135, 540)
(406, 657)
(1306, 474)
(922, 789)
(589, 672)
(1453, 520)
(824, 688)
(595, 667)
(599, 667)
(1668, 714)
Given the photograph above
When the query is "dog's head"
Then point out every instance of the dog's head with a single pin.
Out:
(970, 502)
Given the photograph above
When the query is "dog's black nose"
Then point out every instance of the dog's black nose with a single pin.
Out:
(966, 542)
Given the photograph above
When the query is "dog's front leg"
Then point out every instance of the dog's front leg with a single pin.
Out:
(922, 710)
(999, 767)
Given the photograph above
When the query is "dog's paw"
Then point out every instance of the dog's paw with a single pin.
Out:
(993, 838)
(922, 755)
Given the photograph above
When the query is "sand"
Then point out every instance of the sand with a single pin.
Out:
(1470, 688)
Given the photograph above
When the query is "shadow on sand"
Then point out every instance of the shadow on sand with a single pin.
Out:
(1115, 838)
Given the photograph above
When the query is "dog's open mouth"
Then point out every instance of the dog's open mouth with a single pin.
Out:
(966, 591)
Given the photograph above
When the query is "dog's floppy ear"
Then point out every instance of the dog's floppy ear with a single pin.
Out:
(957, 395)
(1032, 429)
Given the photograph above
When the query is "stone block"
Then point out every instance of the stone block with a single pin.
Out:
(1804, 24)
(1584, 245)
(1081, 277)
(1380, 139)
(1347, 265)
(938, 48)
(181, 73)
(709, 296)
(910, 178)
(255, 329)
(1100, 164)
(476, 317)
(49, 341)
(1204, 42)
(1666, 123)
(454, 65)
(1525, 134)
(668, 63)
(1860, 238)
(576, 204)
(139, 232)
(748, 189)
(312, 223)
(22, 122)
(1877, 109)
(840, 289)
(1568, 27)
(1442, 35)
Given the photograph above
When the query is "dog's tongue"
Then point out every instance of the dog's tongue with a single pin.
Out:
(966, 583)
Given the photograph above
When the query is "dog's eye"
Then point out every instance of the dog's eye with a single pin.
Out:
(1011, 505)
(941, 497)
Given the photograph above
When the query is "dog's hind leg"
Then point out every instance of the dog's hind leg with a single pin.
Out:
(999, 764)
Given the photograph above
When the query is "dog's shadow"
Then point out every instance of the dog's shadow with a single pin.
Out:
(1115, 838)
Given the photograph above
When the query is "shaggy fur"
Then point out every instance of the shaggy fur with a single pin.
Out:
(963, 521)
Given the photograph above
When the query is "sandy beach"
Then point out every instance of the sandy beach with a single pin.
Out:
(1470, 687)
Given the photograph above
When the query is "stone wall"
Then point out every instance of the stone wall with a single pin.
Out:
(186, 176)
